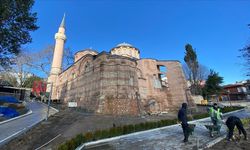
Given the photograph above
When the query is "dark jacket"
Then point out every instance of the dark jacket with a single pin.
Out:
(232, 121)
(182, 114)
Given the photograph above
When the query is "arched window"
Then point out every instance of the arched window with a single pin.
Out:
(87, 67)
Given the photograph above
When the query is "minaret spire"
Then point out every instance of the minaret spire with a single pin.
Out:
(63, 22)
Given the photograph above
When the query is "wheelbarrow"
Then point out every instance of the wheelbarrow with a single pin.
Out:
(213, 129)
(191, 129)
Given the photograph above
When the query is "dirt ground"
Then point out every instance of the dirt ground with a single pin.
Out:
(239, 144)
(67, 124)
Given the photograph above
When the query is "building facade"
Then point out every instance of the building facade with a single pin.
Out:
(119, 82)
(237, 91)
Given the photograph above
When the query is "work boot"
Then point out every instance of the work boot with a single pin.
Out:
(245, 138)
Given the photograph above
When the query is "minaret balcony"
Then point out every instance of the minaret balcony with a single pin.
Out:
(60, 36)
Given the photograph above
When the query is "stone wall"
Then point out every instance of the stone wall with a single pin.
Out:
(177, 83)
(161, 91)
(111, 84)
(103, 84)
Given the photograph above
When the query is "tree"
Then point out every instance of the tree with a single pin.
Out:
(8, 79)
(20, 68)
(213, 84)
(28, 83)
(202, 72)
(246, 55)
(42, 60)
(16, 22)
(192, 62)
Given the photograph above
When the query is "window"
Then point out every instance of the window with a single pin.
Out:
(244, 89)
(162, 69)
(73, 75)
(86, 67)
(156, 82)
(131, 80)
(162, 75)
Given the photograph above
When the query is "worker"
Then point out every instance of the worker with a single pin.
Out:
(231, 122)
(182, 116)
(217, 115)
(212, 114)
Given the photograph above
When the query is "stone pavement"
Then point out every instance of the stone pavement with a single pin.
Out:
(166, 138)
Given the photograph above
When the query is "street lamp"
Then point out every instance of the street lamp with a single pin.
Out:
(49, 99)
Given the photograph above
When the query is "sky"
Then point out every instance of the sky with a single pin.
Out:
(160, 29)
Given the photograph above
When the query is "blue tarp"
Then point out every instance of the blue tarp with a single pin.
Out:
(8, 99)
(8, 112)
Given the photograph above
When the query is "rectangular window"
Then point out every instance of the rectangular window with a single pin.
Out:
(131, 80)
(156, 82)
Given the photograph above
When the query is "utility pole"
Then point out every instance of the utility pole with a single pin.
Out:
(49, 100)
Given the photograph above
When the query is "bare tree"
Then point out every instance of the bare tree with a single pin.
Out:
(8, 79)
(202, 73)
(42, 60)
(245, 54)
(19, 68)
(201, 76)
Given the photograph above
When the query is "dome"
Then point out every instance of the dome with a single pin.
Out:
(125, 49)
(124, 44)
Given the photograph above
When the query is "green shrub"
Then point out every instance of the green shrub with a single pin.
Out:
(138, 127)
(131, 128)
(163, 122)
(119, 130)
(159, 124)
(125, 129)
(71, 144)
(230, 108)
(200, 116)
(79, 139)
(142, 126)
(97, 134)
(105, 134)
(88, 136)
(112, 132)
(64, 146)
(147, 125)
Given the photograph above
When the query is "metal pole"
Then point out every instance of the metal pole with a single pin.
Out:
(228, 95)
(49, 101)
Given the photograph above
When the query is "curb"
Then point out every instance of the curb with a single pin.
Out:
(122, 136)
(215, 141)
(156, 129)
(28, 113)
(49, 106)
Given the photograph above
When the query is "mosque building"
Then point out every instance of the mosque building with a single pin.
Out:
(117, 82)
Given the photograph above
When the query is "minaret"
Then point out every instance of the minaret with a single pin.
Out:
(56, 66)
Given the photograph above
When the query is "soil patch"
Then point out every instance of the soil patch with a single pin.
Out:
(239, 144)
